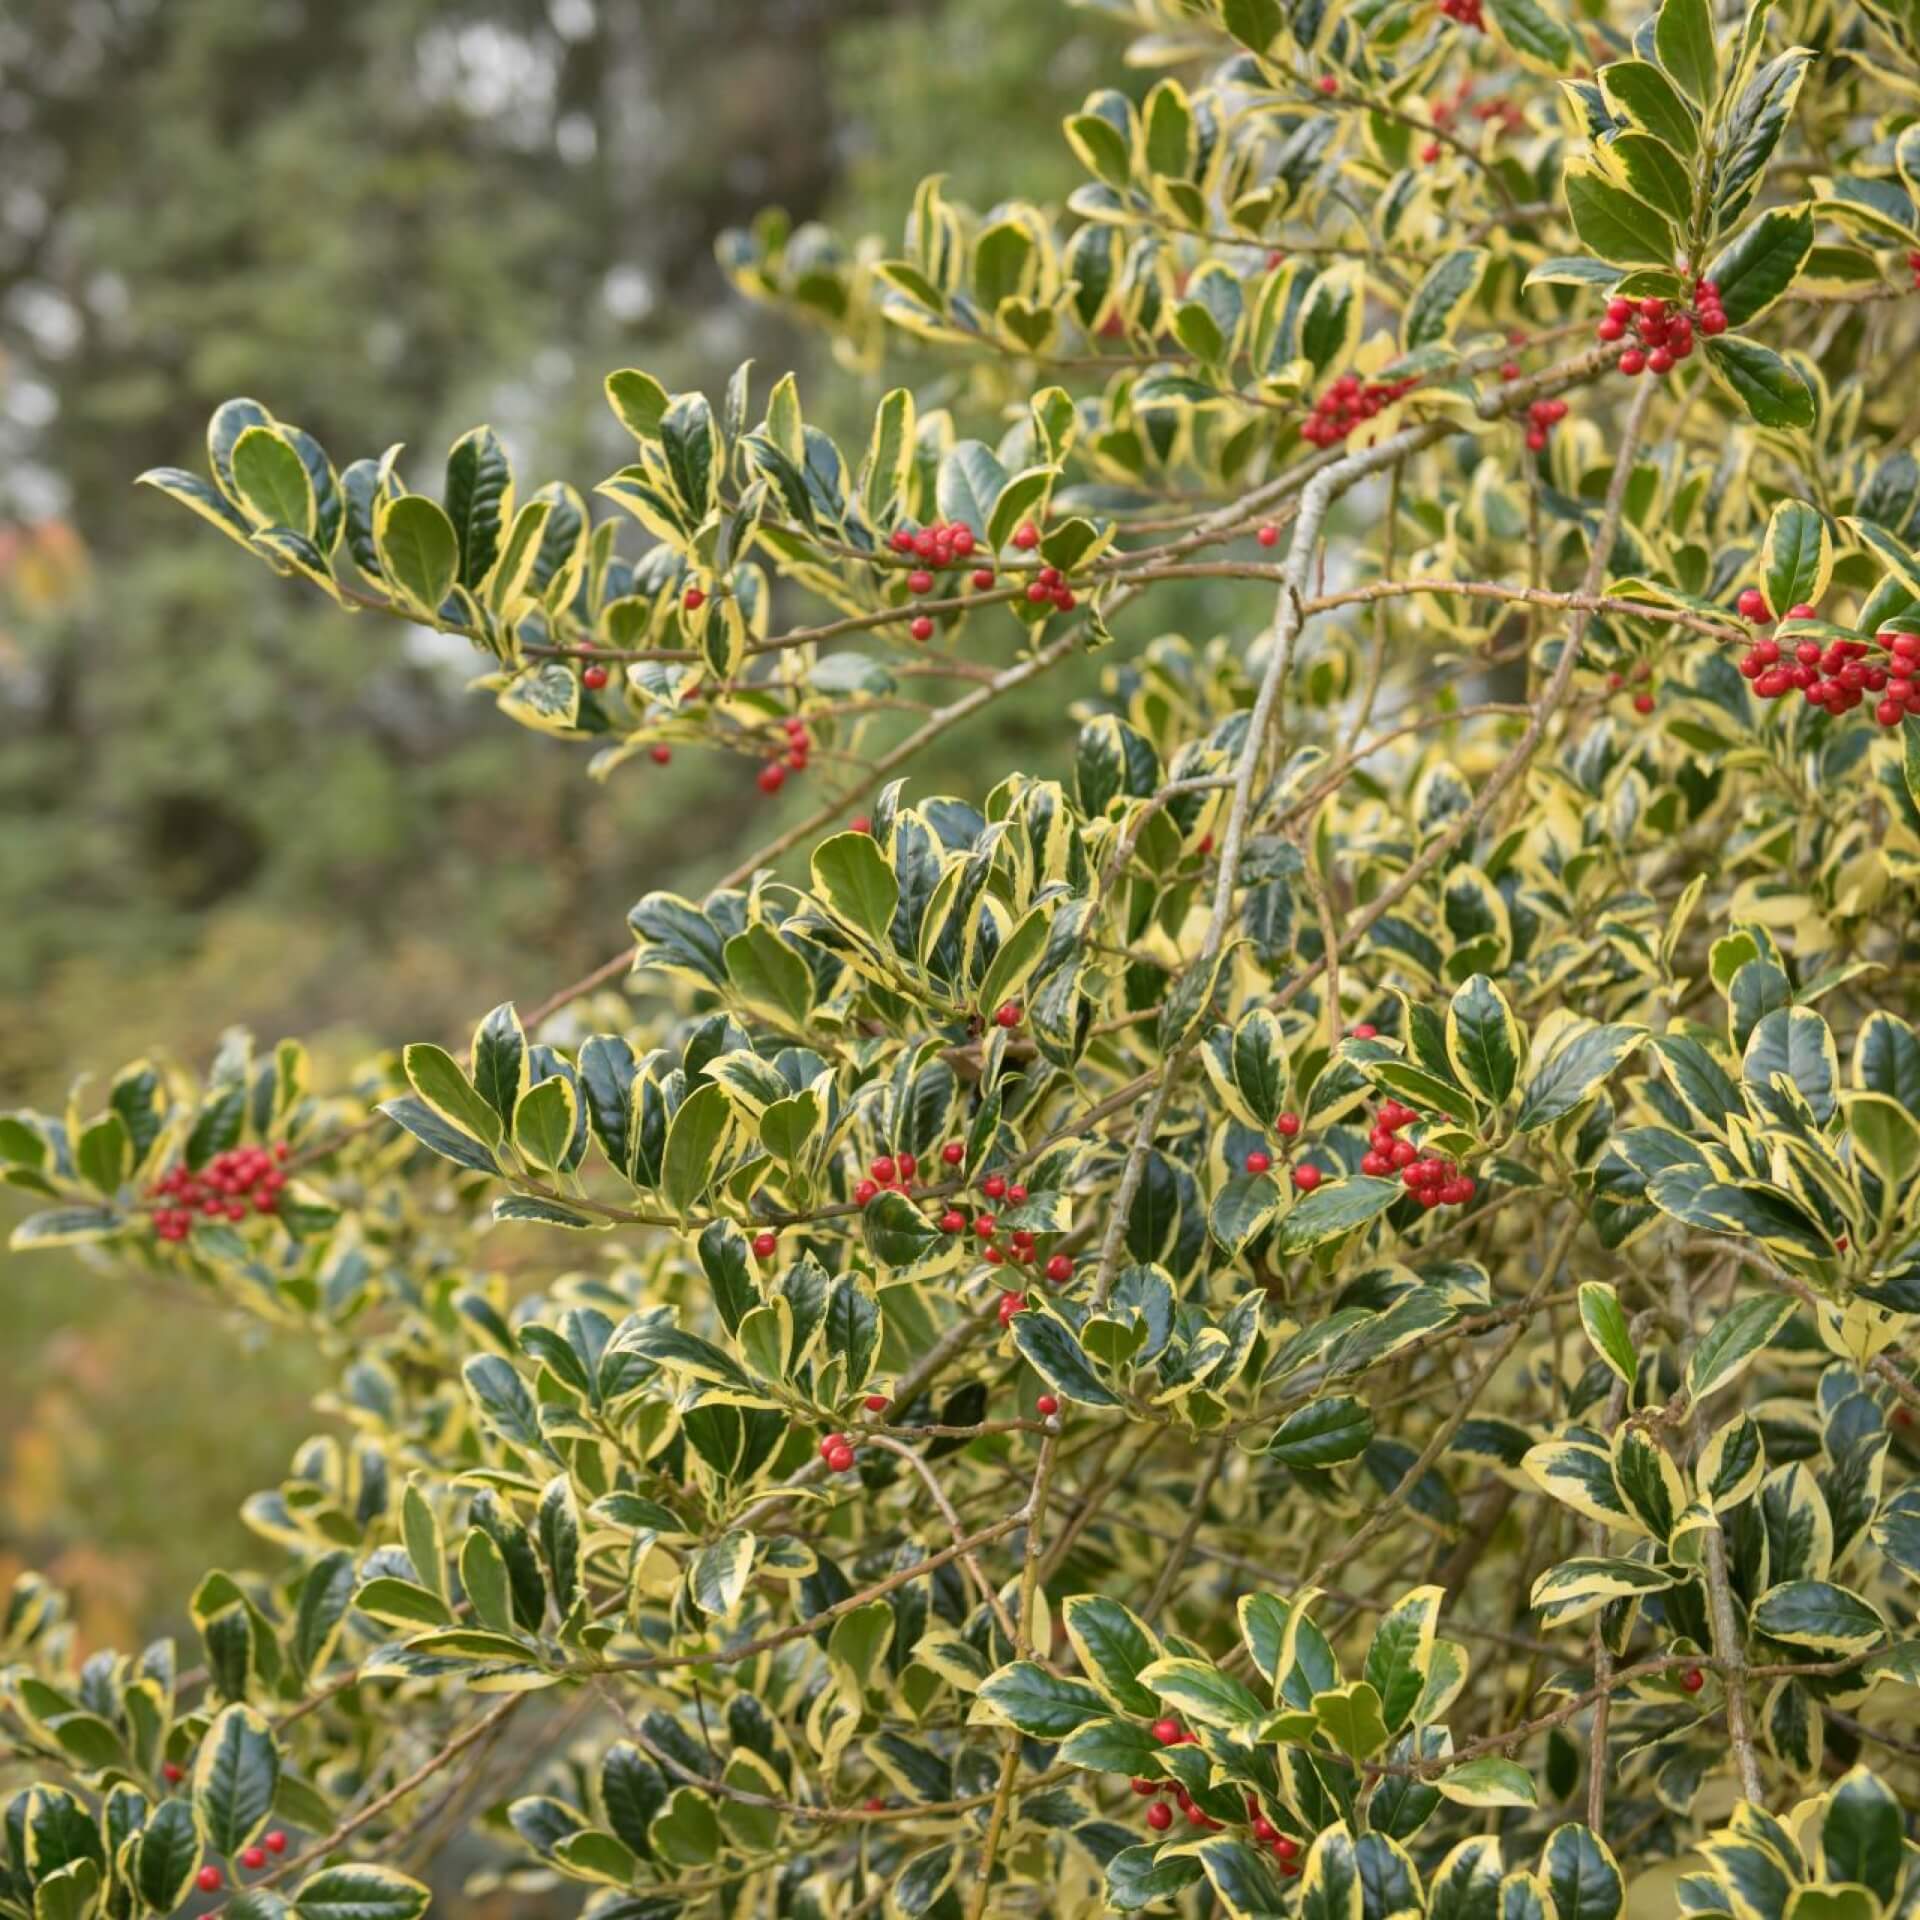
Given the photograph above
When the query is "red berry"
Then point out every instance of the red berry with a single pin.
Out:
(1016, 1193)
(1659, 361)
(208, 1879)
(1060, 1269)
(963, 541)
(1027, 538)
(1375, 1163)
(900, 540)
(1046, 1406)
(876, 1403)
(1167, 1732)
(1693, 1679)
(1536, 439)
(1712, 320)
(693, 599)
(1159, 1816)
(1289, 1867)
(1752, 605)
(983, 577)
(1366, 1030)
(1268, 536)
(1010, 1304)
(1643, 703)
(772, 777)
(907, 1166)
(1328, 84)
(661, 755)
(985, 1225)
(1430, 152)
(953, 1152)
(919, 581)
(276, 1841)
(1890, 712)
(1306, 1178)
(1286, 1846)
(1147, 1788)
(1633, 361)
(951, 1222)
(172, 1774)
(874, 1805)
(1287, 1125)
(1621, 310)
(254, 1858)
(864, 1192)
(1007, 1014)
(765, 1244)
(594, 678)
(922, 628)
(994, 1187)
(883, 1169)
(1258, 1162)
(841, 1458)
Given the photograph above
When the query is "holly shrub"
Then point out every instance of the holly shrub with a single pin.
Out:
(1311, 1312)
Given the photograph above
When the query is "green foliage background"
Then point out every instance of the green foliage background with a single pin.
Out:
(220, 801)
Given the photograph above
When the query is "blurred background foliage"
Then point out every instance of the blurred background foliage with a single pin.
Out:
(222, 801)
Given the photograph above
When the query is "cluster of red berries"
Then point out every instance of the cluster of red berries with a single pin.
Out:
(1664, 333)
(1305, 1176)
(1838, 676)
(1498, 107)
(1170, 1733)
(1432, 1181)
(1020, 1248)
(1050, 584)
(1542, 417)
(944, 543)
(1466, 13)
(888, 1170)
(837, 1451)
(773, 775)
(1346, 403)
(210, 1879)
(234, 1184)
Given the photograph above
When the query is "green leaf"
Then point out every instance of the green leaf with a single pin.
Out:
(970, 481)
(1110, 1746)
(719, 1576)
(1330, 1211)
(544, 1122)
(1606, 1325)
(272, 481)
(360, 1892)
(1488, 1782)
(639, 402)
(1401, 1651)
(479, 499)
(1863, 1837)
(1572, 1072)
(854, 882)
(1763, 383)
(1752, 271)
(1352, 1718)
(1323, 1433)
(1829, 1621)
(1449, 284)
(694, 1140)
(1582, 1875)
(889, 462)
(436, 1077)
(234, 1778)
(691, 442)
(1683, 37)
(503, 1400)
(167, 1856)
(1796, 558)
(1620, 228)
(1733, 1341)
(325, 1596)
(1641, 93)
(1483, 1039)
(397, 1602)
(1203, 1693)
(1040, 1703)
(1115, 1648)
(1540, 40)
(1048, 1345)
(899, 1236)
(419, 551)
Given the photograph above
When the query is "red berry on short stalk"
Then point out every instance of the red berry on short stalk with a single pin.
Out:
(208, 1879)
(876, 1403)
(1159, 1816)
(1007, 1014)
(1060, 1269)
(1693, 1679)
(1258, 1162)
(693, 599)
(254, 1858)
(1027, 538)
(922, 628)
(593, 678)
(772, 777)
(994, 1187)
(864, 1192)
(276, 1841)
(1306, 1177)
(1046, 1406)
(765, 1245)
